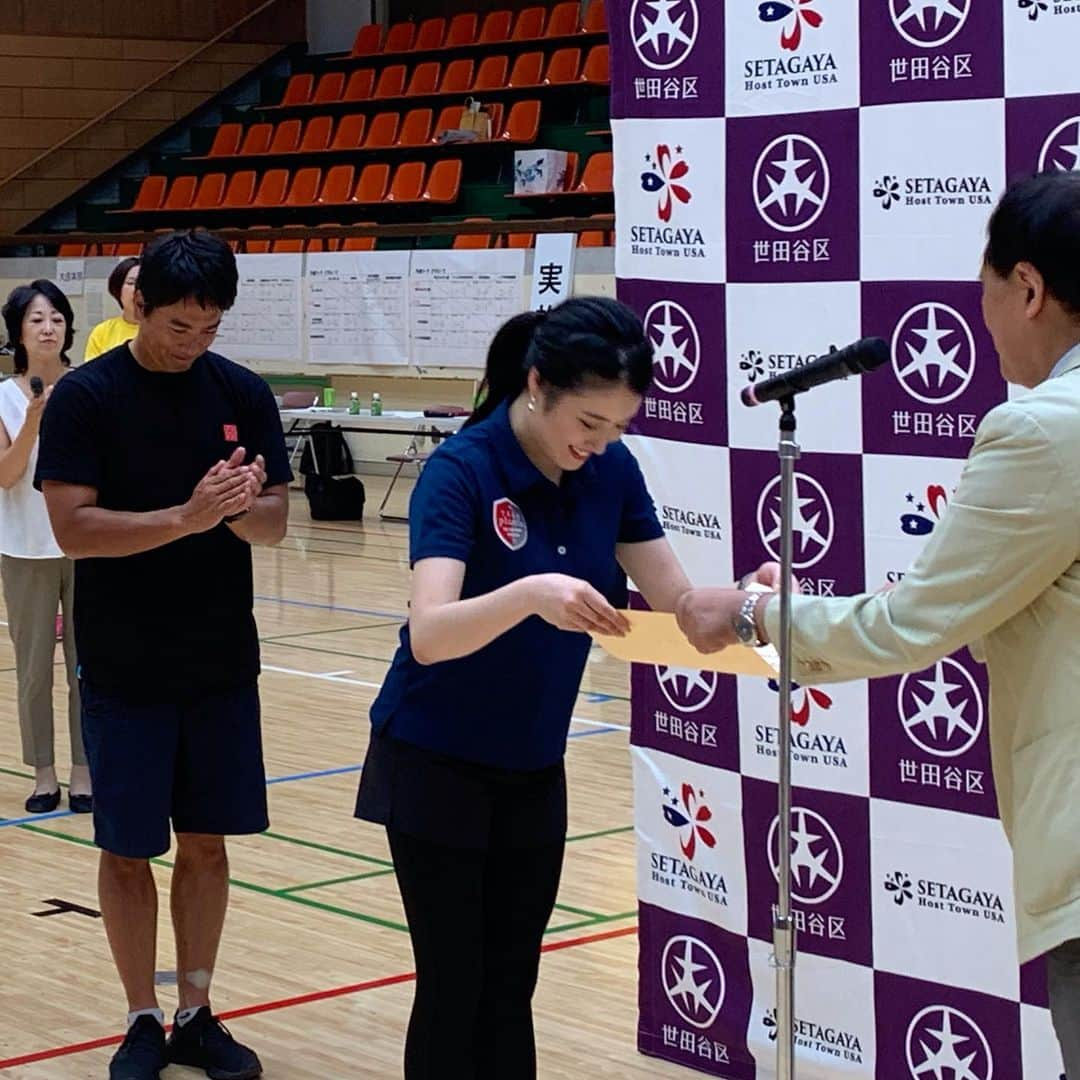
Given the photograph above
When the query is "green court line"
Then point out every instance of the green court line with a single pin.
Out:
(339, 630)
(290, 895)
(578, 911)
(248, 886)
(599, 920)
(316, 846)
(334, 881)
(601, 832)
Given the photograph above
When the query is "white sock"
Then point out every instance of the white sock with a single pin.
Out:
(185, 1015)
(157, 1014)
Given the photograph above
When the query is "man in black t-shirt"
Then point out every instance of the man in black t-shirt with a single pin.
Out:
(161, 464)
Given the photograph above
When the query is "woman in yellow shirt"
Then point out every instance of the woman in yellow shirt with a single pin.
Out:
(112, 332)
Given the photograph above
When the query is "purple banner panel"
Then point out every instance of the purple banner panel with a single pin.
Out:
(695, 993)
(944, 376)
(687, 401)
(931, 50)
(666, 58)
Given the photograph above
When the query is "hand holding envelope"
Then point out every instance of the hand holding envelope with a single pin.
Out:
(704, 617)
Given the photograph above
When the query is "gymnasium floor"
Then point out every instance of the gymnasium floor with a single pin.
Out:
(315, 966)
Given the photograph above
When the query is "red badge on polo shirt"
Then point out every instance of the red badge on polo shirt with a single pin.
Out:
(510, 526)
(231, 434)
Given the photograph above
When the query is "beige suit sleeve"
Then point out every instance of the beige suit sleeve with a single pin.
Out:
(1010, 531)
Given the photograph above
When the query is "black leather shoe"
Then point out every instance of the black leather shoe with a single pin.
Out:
(43, 804)
(81, 804)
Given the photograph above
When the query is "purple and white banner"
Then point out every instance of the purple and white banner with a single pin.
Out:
(791, 175)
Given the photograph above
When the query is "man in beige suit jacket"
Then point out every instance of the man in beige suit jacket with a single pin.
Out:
(1000, 573)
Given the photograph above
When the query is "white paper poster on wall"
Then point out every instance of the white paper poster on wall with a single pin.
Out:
(457, 300)
(266, 322)
(71, 275)
(358, 307)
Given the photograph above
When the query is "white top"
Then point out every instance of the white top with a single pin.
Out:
(25, 532)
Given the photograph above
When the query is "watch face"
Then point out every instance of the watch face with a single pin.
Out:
(744, 629)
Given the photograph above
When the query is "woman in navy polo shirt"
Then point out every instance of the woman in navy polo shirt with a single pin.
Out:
(523, 529)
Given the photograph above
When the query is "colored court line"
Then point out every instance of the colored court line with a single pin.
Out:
(334, 881)
(332, 607)
(299, 999)
(333, 630)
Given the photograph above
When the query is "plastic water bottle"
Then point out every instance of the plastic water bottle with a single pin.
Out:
(376, 404)
(354, 404)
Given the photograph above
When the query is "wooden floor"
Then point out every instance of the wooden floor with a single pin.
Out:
(315, 966)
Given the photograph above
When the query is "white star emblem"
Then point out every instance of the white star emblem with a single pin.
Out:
(814, 847)
(956, 1052)
(929, 23)
(667, 38)
(813, 531)
(676, 345)
(696, 990)
(941, 705)
(1062, 156)
(694, 683)
(803, 178)
(944, 350)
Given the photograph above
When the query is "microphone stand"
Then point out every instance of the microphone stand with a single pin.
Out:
(784, 938)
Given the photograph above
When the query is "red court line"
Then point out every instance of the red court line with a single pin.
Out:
(301, 999)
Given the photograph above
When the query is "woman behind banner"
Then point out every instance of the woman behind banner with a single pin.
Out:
(523, 529)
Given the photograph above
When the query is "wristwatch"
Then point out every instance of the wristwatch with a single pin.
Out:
(743, 623)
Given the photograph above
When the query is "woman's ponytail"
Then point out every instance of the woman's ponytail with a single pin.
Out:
(507, 365)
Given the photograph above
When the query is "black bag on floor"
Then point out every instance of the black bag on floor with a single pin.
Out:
(335, 498)
(333, 493)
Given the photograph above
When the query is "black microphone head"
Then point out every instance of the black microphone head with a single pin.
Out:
(37, 387)
(747, 395)
(873, 352)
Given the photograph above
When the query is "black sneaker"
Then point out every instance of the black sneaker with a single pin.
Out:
(205, 1043)
(142, 1053)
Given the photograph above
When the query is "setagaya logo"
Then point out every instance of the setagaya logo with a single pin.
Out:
(791, 17)
(688, 812)
(664, 175)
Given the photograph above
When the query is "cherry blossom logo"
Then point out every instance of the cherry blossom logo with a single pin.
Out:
(688, 812)
(663, 175)
(924, 512)
(791, 18)
(803, 700)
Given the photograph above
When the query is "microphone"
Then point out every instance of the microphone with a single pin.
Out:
(37, 387)
(865, 355)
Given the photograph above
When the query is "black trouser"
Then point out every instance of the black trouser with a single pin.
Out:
(1064, 978)
(476, 918)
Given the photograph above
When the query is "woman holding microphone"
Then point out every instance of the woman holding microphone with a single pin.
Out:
(37, 578)
(523, 529)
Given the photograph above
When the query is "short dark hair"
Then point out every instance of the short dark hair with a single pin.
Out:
(1037, 220)
(21, 297)
(195, 265)
(586, 339)
(118, 276)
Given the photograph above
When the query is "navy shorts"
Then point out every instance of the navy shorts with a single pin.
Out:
(196, 762)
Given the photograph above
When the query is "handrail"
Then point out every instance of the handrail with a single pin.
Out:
(396, 230)
(136, 93)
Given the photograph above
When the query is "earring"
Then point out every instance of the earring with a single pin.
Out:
(532, 404)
